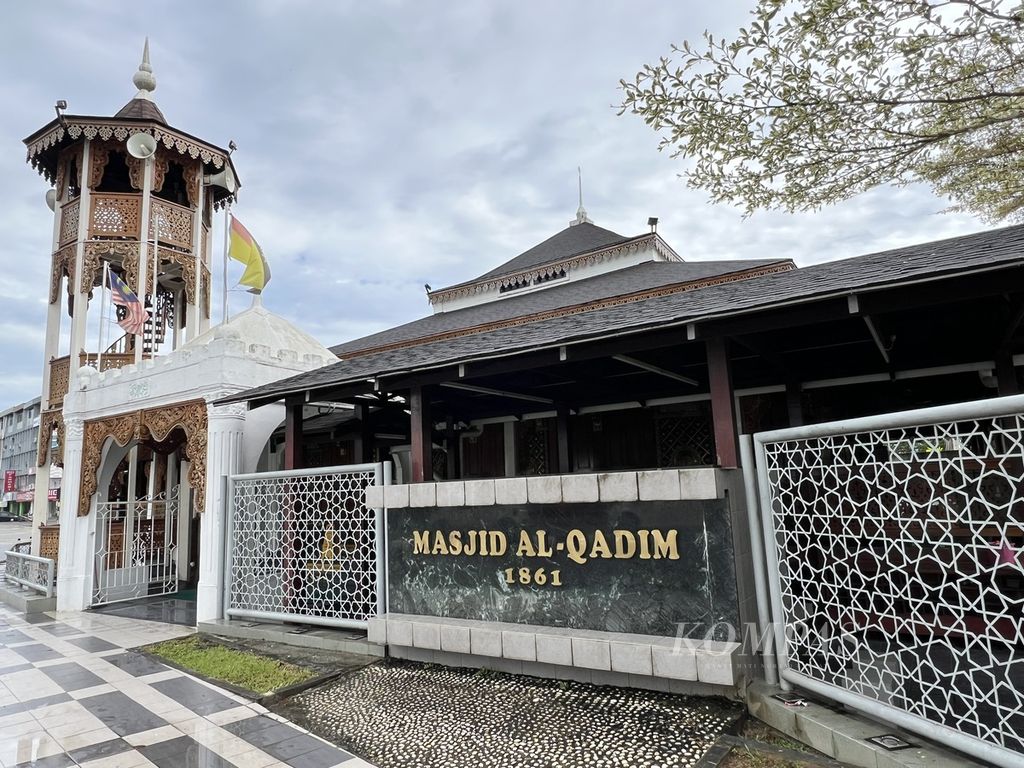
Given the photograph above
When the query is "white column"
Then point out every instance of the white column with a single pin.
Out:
(80, 320)
(74, 566)
(223, 458)
(194, 309)
(510, 449)
(140, 289)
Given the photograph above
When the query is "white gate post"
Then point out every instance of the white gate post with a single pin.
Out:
(223, 459)
(75, 555)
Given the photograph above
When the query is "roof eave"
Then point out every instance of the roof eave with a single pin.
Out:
(683, 321)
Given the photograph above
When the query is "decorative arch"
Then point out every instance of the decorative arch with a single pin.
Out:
(156, 423)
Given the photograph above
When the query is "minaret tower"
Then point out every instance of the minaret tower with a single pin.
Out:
(134, 197)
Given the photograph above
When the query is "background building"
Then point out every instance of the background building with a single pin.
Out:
(19, 435)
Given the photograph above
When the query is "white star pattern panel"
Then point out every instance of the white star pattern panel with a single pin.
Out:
(305, 547)
(901, 569)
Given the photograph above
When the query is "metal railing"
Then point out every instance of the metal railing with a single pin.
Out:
(303, 546)
(35, 573)
(895, 561)
(136, 548)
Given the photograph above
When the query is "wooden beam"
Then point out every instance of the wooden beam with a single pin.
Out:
(422, 459)
(723, 404)
(655, 369)
(1006, 374)
(564, 449)
(451, 440)
(497, 392)
(794, 404)
(293, 435)
(873, 330)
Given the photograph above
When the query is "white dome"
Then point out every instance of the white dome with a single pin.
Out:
(257, 326)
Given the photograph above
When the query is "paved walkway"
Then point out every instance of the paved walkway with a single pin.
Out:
(71, 694)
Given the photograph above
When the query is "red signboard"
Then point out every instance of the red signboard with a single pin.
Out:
(53, 494)
(10, 480)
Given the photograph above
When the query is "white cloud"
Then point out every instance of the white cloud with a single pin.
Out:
(384, 146)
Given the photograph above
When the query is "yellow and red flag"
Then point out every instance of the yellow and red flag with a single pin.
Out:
(244, 248)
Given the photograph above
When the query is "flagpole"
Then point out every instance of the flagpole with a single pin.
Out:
(227, 235)
(156, 272)
(103, 315)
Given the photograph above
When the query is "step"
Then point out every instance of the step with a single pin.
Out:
(26, 600)
(301, 635)
(843, 735)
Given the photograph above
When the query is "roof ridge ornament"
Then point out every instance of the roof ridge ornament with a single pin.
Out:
(581, 212)
(143, 79)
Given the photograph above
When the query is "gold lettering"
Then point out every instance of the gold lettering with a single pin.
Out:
(576, 545)
(665, 545)
(421, 542)
(470, 546)
(600, 548)
(543, 548)
(440, 547)
(625, 545)
(455, 543)
(498, 543)
(483, 543)
(645, 546)
(525, 548)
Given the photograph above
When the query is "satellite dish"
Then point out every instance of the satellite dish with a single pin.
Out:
(141, 145)
(225, 179)
(51, 199)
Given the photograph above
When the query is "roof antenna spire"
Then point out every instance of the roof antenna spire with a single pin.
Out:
(581, 212)
(143, 79)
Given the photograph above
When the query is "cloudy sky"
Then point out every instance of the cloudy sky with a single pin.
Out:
(384, 145)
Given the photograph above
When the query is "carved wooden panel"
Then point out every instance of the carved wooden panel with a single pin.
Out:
(115, 215)
(157, 423)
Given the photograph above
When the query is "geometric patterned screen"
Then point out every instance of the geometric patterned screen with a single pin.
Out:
(303, 546)
(901, 569)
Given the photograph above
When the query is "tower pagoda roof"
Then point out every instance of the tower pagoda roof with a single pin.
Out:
(139, 115)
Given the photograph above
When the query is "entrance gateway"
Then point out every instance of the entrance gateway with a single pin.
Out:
(136, 548)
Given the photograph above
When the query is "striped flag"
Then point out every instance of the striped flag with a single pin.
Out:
(122, 296)
(244, 248)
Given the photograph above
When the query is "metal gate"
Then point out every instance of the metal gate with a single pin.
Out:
(304, 547)
(136, 548)
(895, 561)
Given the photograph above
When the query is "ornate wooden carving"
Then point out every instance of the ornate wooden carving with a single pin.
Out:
(48, 421)
(63, 264)
(206, 290)
(136, 171)
(99, 156)
(157, 423)
(193, 172)
(160, 166)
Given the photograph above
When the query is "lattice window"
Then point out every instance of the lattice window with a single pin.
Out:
(901, 563)
(305, 546)
(684, 436)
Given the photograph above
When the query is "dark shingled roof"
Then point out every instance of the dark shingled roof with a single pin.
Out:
(622, 282)
(944, 258)
(573, 240)
(142, 109)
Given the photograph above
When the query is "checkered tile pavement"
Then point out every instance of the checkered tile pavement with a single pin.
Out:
(72, 694)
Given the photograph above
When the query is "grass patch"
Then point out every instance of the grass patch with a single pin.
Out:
(741, 757)
(259, 674)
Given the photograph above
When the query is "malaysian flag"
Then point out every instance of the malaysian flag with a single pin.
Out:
(122, 296)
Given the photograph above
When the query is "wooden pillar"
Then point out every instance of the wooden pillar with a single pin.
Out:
(723, 408)
(564, 447)
(363, 443)
(422, 441)
(1006, 374)
(293, 436)
(451, 440)
(794, 404)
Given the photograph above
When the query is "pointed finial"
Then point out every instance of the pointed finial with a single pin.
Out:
(581, 212)
(143, 78)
